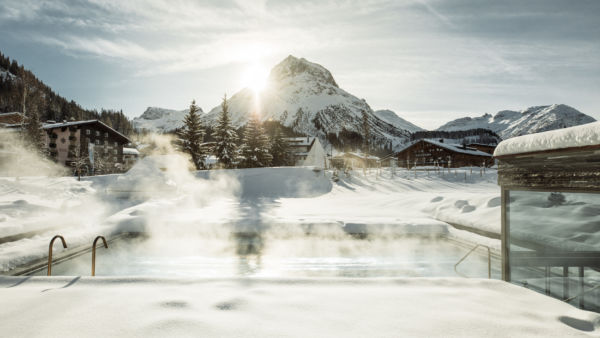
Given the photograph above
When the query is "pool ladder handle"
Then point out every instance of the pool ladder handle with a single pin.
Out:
(94, 253)
(467, 255)
(65, 246)
(50, 251)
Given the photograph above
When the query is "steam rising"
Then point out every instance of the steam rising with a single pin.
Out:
(218, 216)
(18, 158)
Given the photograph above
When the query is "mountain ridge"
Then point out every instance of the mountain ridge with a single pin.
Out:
(510, 123)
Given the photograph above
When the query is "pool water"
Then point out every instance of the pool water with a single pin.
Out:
(295, 257)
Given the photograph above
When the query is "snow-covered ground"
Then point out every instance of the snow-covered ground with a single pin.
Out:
(412, 307)
(159, 199)
(185, 212)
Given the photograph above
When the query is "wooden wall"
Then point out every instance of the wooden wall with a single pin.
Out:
(428, 154)
(575, 169)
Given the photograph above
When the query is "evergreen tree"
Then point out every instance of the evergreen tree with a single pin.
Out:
(366, 132)
(225, 137)
(255, 150)
(191, 136)
(279, 149)
(33, 131)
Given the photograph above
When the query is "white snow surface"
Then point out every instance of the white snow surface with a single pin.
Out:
(395, 120)
(249, 307)
(160, 120)
(509, 123)
(159, 193)
(579, 136)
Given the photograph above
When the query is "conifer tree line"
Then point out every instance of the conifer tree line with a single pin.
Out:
(21, 91)
(253, 148)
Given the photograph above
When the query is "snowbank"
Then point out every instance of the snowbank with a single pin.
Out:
(291, 199)
(413, 307)
(283, 182)
(580, 136)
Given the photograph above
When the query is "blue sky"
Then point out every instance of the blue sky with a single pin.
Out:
(428, 60)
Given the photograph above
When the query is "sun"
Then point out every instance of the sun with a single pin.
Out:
(255, 77)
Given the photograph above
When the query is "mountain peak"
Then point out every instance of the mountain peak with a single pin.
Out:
(509, 123)
(395, 120)
(292, 67)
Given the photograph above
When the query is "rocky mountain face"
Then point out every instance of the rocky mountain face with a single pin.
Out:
(395, 120)
(160, 120)
(509, 123)
(305, 96)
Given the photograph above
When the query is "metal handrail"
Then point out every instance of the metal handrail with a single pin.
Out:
(468, 253)
(50, 251)
(94, 252)
(581, 293)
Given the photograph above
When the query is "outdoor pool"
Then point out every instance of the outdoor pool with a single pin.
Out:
(293, 257)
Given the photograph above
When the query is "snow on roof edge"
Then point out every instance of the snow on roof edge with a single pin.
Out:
(573, 137)
(452, 147)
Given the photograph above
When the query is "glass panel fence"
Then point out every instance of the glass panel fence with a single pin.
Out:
(554, 244)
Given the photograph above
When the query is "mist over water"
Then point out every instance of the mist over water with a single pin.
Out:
(216, 222)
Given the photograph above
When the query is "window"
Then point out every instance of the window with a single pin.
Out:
(553, 244)
(115, 152)
(115, 159)
(87, 140)
(97, 133)
(116, 144)
(106, 142)
(97, 142)
(87, 131)
(105, 134)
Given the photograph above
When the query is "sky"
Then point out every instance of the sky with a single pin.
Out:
(430, 61)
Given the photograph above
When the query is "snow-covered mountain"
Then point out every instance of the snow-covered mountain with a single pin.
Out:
(395, 120)
(509, 123)
(160, 120)
(304, 95)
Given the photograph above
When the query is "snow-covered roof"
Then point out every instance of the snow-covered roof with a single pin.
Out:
(76, 123)
(66, 124)
(358, 155)
(300, 141)
(452, 147)
(11, 118)
(574, 137)
(130, 151)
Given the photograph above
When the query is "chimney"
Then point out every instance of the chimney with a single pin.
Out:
(441, 140)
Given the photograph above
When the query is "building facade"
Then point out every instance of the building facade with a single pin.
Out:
(486, 148)
(91, 142)
(307, 151)
(427, 152)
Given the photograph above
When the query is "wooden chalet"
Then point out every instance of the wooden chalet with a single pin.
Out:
(427, 152)
(354, 160)
(486, 148)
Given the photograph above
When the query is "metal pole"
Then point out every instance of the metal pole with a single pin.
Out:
(581, 287)
(94, 253)
(50, 251)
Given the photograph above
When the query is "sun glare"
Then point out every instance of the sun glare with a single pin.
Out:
(255, 77)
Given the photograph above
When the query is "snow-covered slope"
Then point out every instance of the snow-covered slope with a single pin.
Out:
(508, 123)
(395, 120)
(304, 95)
(160, 120)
